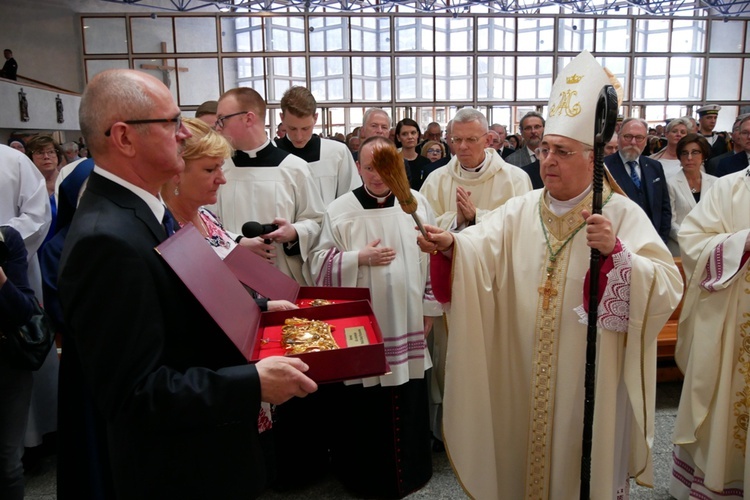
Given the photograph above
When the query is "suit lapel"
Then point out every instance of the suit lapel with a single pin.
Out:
(127, 200)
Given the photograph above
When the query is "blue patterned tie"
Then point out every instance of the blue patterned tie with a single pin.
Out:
(168, 222)
(634, 174)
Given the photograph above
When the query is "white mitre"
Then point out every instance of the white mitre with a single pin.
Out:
(572, 102)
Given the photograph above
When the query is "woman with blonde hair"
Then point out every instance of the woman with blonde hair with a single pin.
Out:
(676, 129)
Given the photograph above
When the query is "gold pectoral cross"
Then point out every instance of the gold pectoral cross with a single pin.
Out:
(547, 290)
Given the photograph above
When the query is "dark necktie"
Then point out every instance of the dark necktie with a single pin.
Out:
(168, 222)
(634, 174)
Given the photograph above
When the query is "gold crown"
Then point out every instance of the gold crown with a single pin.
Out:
(573, 78)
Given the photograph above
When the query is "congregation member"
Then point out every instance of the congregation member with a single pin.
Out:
(381, 444)
(668, 157)
(707, 117)
(375, 122)
(611, 147)
(70, 150)
(330, 161)
(740, 160)
(532, 130)
(517, 346)
(267, 185)
(502, 134)
(16, 308)
(25, 206)
(738, 145)
(408, 135)
(688, 184)
(643, 180)
(433, 151)
(44, 152)
(176, 404)
(206, 112)
(434, 132)
(710, 434)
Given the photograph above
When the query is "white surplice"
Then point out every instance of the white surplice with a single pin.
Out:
(264, 193)
(400, 292)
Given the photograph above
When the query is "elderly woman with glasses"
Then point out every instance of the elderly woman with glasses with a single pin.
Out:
(46, 155)
(686, 185)
(433, 150)
(676, 130)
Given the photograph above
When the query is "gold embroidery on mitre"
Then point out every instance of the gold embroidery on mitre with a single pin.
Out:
(572, 79)
(564, 106)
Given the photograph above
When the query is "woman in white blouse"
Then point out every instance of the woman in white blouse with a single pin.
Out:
(686, 185)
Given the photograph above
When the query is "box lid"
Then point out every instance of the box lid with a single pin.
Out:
(257, 273)
(214, 285)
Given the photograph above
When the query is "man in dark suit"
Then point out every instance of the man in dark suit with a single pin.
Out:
(176, 400)
(640, 177)
(532, 130)
(738, 146)
(502, 132)
(738, 161)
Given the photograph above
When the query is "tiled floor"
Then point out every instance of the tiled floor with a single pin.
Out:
(443, 485)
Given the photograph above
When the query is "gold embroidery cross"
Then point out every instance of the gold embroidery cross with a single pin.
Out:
(547, 292)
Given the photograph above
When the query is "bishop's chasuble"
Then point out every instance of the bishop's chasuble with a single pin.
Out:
(514, 395)
(713, 345)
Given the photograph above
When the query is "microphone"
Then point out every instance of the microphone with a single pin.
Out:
(254, 229)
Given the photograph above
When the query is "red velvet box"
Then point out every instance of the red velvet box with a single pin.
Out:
(256, 273)
(254, 333)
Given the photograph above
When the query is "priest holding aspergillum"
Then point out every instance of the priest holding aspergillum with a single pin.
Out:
(516, 284)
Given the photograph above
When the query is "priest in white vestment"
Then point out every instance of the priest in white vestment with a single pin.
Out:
(514, 396)
(713, 345)
(474, 182)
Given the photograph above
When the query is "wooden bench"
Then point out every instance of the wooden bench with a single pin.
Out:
(666, 369)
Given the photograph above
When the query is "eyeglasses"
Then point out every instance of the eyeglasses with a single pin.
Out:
(177, 120)
(220, 119)
(630, 137)
(42, 154)
(470, 141)
(560, 154)
(436, 151)
(745, 133)
(688, 154)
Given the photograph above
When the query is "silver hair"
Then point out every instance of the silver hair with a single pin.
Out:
(634, 119)
(374, 111)
(468, 115)
(679, 121)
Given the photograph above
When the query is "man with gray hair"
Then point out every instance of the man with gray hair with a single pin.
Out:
(70, 150)
(374, 122)
(170, 401)
(473, 183)
(502, 133)
(643, 179)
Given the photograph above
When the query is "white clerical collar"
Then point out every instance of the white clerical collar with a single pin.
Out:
(155, 204)
(562, 207)
(253, 153)
(478, 167)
